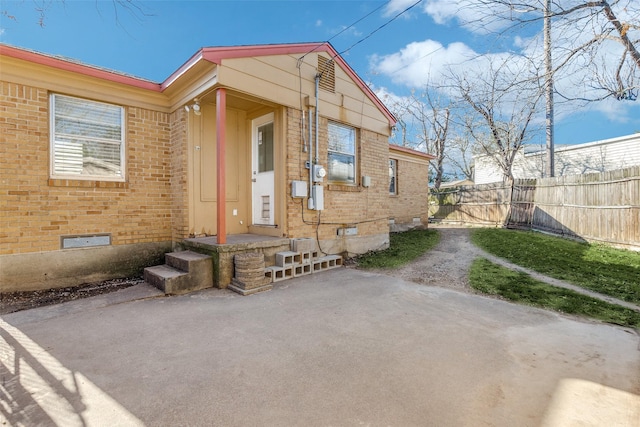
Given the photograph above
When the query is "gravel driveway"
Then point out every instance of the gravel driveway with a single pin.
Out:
(446, 265)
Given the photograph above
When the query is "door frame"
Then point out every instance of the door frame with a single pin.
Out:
(267, 178)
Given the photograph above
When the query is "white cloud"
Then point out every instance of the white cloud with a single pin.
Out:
(396, 6)
(319, 23)
(428, 61)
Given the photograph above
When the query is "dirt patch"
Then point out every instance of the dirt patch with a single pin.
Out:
(16, 301)
(446, 265)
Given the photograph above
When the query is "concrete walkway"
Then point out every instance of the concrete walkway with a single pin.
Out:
(340, 348)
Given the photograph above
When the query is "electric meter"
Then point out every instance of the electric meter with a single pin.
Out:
(319, 172)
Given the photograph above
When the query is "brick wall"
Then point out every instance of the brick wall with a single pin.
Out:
(36, 211)
(179, 163)
(366, 208)
(412, 199)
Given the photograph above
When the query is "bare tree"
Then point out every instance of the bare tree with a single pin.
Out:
(460, 151)
(432, 114)
(504, 105)
(583, 31)
(423, 124)
(133, 8)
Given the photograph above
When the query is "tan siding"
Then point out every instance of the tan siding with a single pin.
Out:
(204, 176)
(277, 79)
(27, 74)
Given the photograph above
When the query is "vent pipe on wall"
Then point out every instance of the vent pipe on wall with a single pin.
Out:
(317, 115)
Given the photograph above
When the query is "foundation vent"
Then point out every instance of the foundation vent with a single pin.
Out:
(326, 68)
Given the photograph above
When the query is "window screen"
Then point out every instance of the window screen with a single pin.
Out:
(342, 153)
(87, 139)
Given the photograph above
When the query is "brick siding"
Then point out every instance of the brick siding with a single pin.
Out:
(35, 211)
(366, 208)
(412, 199)
(179, 165)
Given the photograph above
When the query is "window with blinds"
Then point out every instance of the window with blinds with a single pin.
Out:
(87, 139)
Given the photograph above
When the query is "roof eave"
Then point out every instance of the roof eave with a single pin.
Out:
(74, 67)
(216, 55)
(411, 151)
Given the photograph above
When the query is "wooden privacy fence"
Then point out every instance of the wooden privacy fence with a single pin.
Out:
(601, 207)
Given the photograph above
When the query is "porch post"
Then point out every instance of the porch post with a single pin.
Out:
(221, 195)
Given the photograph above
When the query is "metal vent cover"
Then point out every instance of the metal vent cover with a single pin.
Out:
(326, 68)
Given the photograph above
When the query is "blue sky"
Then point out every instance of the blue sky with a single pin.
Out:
(152, 46)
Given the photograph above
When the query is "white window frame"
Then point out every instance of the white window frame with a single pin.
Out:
(393, 174)
(119, 177)
(340, 151)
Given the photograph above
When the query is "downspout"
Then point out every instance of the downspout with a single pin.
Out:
(317, 116)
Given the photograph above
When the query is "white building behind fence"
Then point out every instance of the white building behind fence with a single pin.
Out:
(597, 156)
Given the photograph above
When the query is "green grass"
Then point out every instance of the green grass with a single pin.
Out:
(403, 248)
(602, 269)
(520, 287)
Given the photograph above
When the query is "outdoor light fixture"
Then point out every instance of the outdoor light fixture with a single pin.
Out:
(195, 107)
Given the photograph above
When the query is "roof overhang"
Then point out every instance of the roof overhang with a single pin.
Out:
(67, 64)
(201, 60)
(411, 152)
(216, 55)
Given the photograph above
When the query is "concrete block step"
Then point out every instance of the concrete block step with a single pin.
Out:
(326, 263)
(165, 278)
(186, 260)
(301, 270)
(277, 273)
(304, 244)
(288, 258)
(184, 271)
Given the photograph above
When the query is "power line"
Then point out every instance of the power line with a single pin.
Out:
(380, 27)
(345, 29)
(361, 19)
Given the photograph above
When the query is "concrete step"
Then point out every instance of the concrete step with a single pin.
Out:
(164, 277)
(184, 271)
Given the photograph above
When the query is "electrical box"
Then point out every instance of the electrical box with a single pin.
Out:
(317, 194)
(319, 172)
(299, 189)
(366, 181)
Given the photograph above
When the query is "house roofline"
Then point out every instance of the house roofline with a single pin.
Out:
(68, 64)
(216, 55)
(411, 151)
(633, 137)
(210, 54)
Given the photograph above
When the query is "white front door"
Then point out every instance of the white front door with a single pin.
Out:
(262, 170)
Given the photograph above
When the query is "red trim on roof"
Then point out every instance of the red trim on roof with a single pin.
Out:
(211, 54)
(217, 54)
(410, 151)
(67, 65)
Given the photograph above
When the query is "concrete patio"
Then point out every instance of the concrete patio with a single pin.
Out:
(340, 348)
